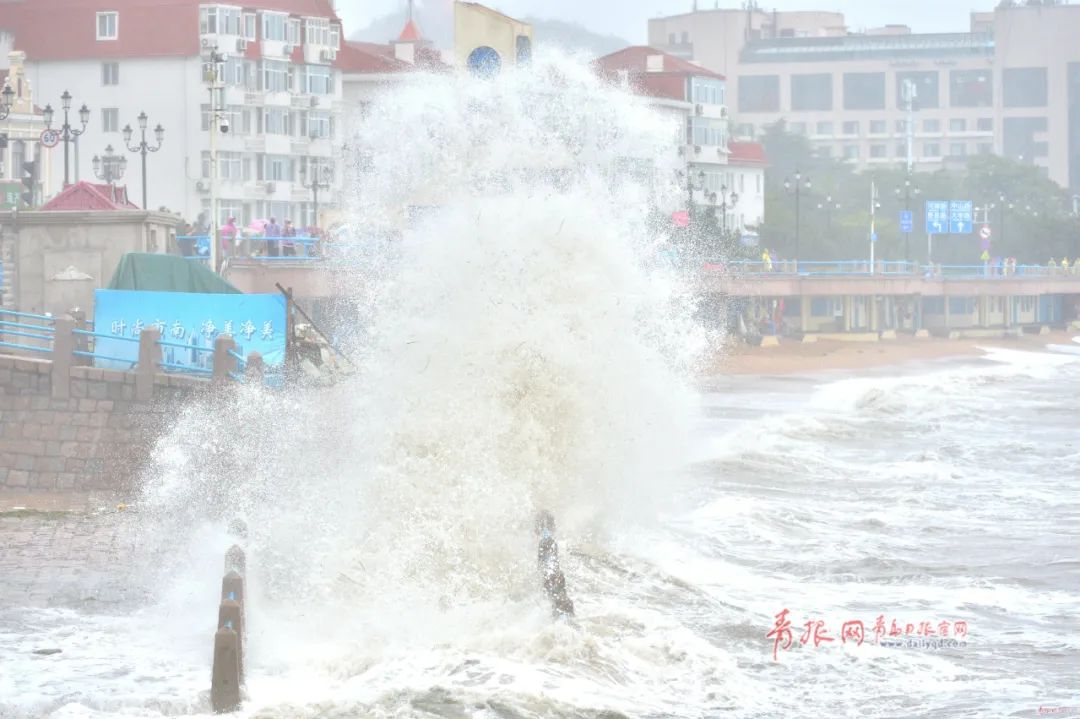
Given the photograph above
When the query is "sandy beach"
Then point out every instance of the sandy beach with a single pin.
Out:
(792, 356)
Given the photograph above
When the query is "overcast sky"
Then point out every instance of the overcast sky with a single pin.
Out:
(629, 18)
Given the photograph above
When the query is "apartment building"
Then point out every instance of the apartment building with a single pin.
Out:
(281, 100)
(697, 98)
(1008, 85)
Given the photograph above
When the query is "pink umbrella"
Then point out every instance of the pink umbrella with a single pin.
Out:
(258, 225)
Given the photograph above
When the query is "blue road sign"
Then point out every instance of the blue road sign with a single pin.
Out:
(960, 217)
(873, 237)
(937, 217)
(907, 221)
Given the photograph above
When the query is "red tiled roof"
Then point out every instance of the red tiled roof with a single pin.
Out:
(84, 196)
(747, 153)
(146, 28)
(368, 58)
(410, 33)
(371, 57)
(634, 59)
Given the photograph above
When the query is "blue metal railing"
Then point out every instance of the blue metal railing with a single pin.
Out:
(98, 355)
(850, 268)
(44, 332)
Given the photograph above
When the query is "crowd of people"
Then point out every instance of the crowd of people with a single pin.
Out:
(261, 238)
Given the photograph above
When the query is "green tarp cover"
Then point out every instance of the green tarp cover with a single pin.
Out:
(167, 273)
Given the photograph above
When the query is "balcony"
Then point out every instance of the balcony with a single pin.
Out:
(279, 99)
(256, 143)
(254, 97)
(300, 194)
(299, 146)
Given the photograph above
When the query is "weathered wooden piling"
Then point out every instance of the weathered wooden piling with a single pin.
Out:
(548, 561)
(227, 676)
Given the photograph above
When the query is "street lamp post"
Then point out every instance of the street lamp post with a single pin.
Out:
(321, 180)
(907, 191)
(691, 188)
(828, 205)
(725, 198)
(795, 186)
(68, 134)
(110, 168)
(1002, 203)
(143, 147)
(7, 101)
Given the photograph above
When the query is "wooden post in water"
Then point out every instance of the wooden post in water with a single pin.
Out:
(548, 560)
(227, 677)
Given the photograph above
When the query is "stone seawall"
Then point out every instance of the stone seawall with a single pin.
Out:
(96, 438)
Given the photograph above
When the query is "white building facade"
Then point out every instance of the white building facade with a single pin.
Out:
(281, 98)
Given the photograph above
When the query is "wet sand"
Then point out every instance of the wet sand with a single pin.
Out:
(793, 356)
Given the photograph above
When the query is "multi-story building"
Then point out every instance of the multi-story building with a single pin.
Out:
(20, 132)
(697, 97)
(281, 98)
(1010, 85)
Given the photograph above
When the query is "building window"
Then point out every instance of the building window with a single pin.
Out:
(811, 92)
(851, 127)
(926, 87)
(878, 127)
(879, 151)
(218, 20)
(1024, 87)
(851, 152)
(957, 124)
(273, 26)
(317, 30)
(931, 125)
(275, 76)
(1018, 137)
(901, 125)
(317, 124)
(706, 91)
(292, 32)
(110, 119)
(108, 25)
(317, 80)
(901, 149)
(958, 149)
(797, 128)
(110, 73)
(971, 88)
(985, 148)
(824, 128)
(985, 124)
(931, 149)
(864, 91)
(275, 168)
(707, 131)
(249, 27)
(759, 93)
(745, 130)
(276, 121)
(335, 37)
(230, 167)
(824, 151)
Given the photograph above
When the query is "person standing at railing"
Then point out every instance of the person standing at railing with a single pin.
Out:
(228, 237)
(1065, 265)
(766, 260)
(273, 237)
(288, 247)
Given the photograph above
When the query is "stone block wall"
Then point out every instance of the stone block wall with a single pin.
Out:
(96, 438)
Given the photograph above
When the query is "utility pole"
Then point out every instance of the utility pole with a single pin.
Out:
(212, 75)
(873, 220)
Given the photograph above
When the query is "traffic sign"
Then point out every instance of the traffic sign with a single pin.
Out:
(937, 216)
(984, 232)
(907, 221)
(960, 217)
(873, 237)
(50, 138)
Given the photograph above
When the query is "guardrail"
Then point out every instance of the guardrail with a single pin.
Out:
(863, 268)
(65, 344)
(44, 330)
(227, 674)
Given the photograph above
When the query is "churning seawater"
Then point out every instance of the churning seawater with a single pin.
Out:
(523, 349)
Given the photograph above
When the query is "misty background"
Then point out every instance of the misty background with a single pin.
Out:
(603, 26)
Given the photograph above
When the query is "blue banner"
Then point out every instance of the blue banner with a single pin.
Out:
(255, 322)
